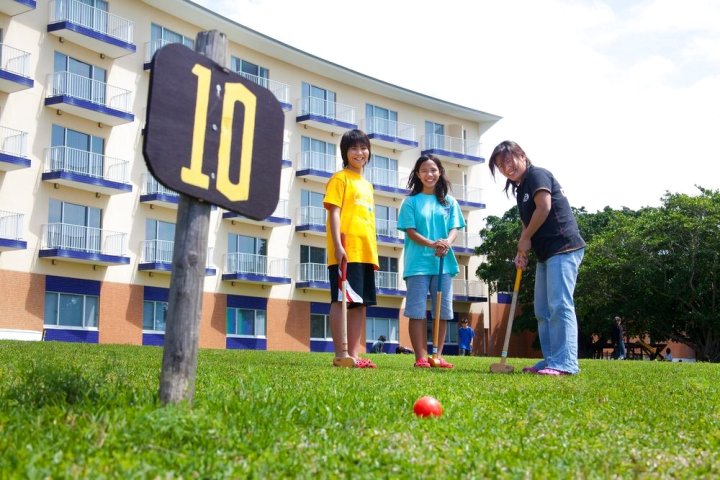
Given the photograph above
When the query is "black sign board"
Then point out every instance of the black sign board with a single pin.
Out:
(213, 134)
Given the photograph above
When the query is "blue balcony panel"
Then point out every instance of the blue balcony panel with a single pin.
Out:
(454, 157)
(86, 182)
(7, 244)
(81, 256)
(161, 200)
(166, 267)
(469, 299)
(270, 221)
(390, 292)
(256, 278)
(245, 343)
(12, 82)
(91, 39)
(287, 164)
(70, 335)
(323, 346)
(285, 106)
(463, 250)
(310, 228)
(89, 110)
(312, 285)
(465, 203)
(387, 240)
(325, 123)
(392, 190)
(314, 174)
(12, 162)
(389, 141)
(16, 7)
(153, 339)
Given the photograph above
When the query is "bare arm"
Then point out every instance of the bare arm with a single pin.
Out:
(334, 221)
(543, 203)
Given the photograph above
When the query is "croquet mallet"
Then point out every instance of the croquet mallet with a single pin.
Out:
(503, 367)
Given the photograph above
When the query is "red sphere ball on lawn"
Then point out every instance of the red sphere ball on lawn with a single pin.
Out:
(427, 406)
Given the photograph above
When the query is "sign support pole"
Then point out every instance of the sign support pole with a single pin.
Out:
(182, 328)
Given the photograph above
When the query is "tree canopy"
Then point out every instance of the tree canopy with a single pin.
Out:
(658, 268)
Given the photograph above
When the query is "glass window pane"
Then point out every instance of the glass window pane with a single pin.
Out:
(70, 310)
(148, 312)
(160, 313)
(246, 322)
(91, 311)
(51, 308)
(260, 322)
(166, 231)
(231, 322)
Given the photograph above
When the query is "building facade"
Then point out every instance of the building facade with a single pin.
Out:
(86, 233)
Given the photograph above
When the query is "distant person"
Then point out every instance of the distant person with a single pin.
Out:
(550, 229)
(401, 349)
(350, 204)
(668, 355)
(377, 347)
(618, 339)
(465, 338)
(430, 218)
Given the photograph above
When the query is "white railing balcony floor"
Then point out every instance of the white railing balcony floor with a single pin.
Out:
(325, 115)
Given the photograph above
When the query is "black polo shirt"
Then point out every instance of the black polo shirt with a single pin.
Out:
(560, 231)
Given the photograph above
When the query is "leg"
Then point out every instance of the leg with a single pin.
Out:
(563, 332)
(415, 305)
(418, 337)
(542, 313)
(356, 330)
(335, 326)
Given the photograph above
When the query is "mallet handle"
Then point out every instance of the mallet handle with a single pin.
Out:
(511, 317)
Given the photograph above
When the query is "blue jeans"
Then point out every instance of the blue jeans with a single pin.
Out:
(555, 311)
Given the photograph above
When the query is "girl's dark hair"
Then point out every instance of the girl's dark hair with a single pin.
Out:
(350, 139)
(415, 185)
(505, 150)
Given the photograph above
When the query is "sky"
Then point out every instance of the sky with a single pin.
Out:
(619, 99)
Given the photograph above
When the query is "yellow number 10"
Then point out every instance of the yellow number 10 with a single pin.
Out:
(234, 92)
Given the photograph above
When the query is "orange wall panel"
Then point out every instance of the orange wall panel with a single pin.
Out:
(213, 325)
(288, 325)
(22, 306)
(121, 313)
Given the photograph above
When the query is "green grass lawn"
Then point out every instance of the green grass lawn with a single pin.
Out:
(70, 410)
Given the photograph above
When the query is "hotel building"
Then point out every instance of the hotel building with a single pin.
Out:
(86, 233)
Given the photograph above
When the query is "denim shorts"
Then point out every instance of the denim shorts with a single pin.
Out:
(418, 287)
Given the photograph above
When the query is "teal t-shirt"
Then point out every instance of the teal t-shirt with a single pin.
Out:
(425, 214)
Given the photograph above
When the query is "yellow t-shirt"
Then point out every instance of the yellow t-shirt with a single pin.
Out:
(355, 197)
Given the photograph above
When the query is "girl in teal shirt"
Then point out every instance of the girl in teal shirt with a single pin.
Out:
(430, 219)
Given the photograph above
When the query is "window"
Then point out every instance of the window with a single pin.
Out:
(246, 322)
(375, 326)
(381, 120)
(160, 238)
(310, 254)
(250, 71)
(71, 310)
(320, 327)
(79, 79)
(161, 36)
(386, 221)
(247, 254)
(388, 264)
(434, 135)
(312, 210)
(154, 313)
(451, 332)
(76, 152)
(317, 154)
(318, 101)
(73, 226)
(383, 171)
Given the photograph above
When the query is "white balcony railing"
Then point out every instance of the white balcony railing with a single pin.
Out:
(11, 225)
(323, 162)
(390, 128)
(13, 142)
(86, 239)
(452, 144)
(388, 280)
(14, 60)
(256, 264)
(93, 91)
(281, 211)
(323, 108)
(73, 160)
(92, 18)
(279, 89)
(156, 251)
(468, 288)
(465, 193)
(313, 272)
(387, 228)
(311, 216)
(468, 240)
(150, 186)
(383, 176)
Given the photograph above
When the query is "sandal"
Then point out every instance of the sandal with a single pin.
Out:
(441, 363)
(364, 363)
(530, 370)
(422, 363)
(551, 371)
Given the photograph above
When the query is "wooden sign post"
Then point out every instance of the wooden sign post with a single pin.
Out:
(215, 138)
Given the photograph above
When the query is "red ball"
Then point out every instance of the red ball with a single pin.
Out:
(427, 406)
